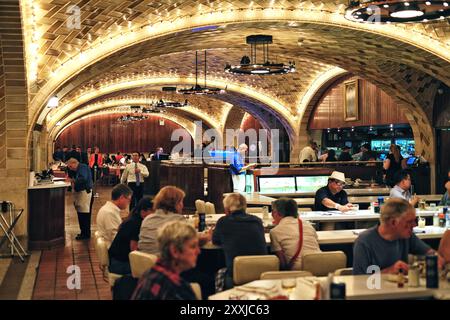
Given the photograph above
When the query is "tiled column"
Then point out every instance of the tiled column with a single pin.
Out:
(13, 112)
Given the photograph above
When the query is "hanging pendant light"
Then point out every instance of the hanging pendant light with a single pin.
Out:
(397, 11)
(250, 65)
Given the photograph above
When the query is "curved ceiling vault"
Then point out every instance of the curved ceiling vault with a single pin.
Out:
(181, 121)
(155, 41)
(208, 110)
(339, 45)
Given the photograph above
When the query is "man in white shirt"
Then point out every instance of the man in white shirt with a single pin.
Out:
(108, 217)
(134, 175)
(308, 153)
(285, 237)
(401, 188)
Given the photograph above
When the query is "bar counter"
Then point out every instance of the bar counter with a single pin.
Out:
(46, 215)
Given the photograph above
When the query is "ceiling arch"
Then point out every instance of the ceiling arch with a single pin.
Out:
(431, 50)
(188, 126)
(119, 105)
(233, 90)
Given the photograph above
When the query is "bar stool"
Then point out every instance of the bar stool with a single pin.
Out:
(8, 208)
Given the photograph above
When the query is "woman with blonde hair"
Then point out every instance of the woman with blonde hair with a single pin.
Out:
(167, 206)
(178, 244)
(393, 163)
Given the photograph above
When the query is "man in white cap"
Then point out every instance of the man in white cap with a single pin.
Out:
(332, 196)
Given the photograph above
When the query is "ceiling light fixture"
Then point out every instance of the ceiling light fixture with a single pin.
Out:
(53, 102)
(133, 116)
(396, 11)
(250, 65)
(198, 89)
(163, 104)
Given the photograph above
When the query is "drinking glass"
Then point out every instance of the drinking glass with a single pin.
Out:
(288, 285)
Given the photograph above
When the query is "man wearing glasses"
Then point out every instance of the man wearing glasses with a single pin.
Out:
(332, 196)
(388, 244)
(402, 188)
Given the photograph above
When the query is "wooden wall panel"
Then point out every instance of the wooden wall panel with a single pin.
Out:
(111, 136)
(441, 110)
(375, 108)
(443, 160)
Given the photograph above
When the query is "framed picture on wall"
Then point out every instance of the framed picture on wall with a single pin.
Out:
(351, 100)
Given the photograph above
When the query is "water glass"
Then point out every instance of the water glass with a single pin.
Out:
(421, 223)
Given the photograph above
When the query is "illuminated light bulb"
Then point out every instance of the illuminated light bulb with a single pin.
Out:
(53, 102)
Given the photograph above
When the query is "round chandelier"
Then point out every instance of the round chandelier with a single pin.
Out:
(396, 11)
(198, 89)
(249, 65)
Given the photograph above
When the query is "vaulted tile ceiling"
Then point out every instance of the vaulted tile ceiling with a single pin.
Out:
(314, 46)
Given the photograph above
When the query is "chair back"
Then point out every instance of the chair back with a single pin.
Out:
(103, 258)
(344, 272)
(249, 268)
(141, 262)
(197, 290)
(200, 206)
(284, 274)
(102, 253)
(254, 210)
(210, 208)
(322, 263)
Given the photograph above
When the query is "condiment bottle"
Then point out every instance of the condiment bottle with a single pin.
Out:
(400, 279)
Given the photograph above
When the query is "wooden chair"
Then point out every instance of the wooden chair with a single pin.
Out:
(197, 290)
(102, 253)
(322, 263)
(210, 208)
(141, 262)
(200, 206)
(249, 268)
(344, 272)
(284, 274)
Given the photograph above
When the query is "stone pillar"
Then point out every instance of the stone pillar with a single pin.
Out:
(13, 112)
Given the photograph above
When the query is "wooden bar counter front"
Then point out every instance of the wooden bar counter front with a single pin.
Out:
(46, 217)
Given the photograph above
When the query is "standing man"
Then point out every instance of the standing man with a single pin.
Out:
(83, 155)
(58, 155)
(237, 168)
(81, 180)
(345, 154)
(445, 201)
(158, 155)
(96, 162)
(309, 153)
(134, 175)
(65, 151)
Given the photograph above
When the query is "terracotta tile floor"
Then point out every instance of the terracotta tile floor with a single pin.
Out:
(52, 276)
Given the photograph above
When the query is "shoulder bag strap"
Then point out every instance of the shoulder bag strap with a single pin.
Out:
(300, 244)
